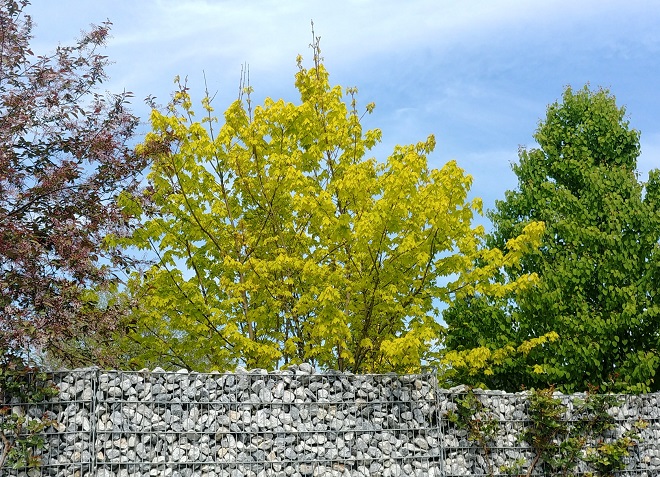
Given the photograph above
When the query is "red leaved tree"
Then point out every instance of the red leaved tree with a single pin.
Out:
(64, 158)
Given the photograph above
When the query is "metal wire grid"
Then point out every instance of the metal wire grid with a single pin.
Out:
(312, 425)
(330, 425)
(355, 428)
(72, 433)
(465, 457)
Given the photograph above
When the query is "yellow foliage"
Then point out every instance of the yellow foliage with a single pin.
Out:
(279, 241)
(482, 359)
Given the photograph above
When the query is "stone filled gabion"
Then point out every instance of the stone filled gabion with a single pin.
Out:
(291, 423)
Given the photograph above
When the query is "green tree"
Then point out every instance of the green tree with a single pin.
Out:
(279, 241)
(598, 265)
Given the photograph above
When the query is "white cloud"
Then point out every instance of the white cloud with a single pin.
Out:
(478, 75)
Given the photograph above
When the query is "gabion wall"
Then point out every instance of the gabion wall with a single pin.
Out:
(293, 423)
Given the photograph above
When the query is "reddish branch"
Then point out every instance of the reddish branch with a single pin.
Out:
(64, 158)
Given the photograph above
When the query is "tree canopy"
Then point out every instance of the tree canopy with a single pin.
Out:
(598, 263)
(64, 157)
(279, 240)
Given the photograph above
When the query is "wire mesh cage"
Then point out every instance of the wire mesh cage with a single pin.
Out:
(299, 423)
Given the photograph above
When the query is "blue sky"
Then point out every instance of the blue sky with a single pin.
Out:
(477, 74)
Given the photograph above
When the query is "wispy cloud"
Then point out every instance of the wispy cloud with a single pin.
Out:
(477, 75)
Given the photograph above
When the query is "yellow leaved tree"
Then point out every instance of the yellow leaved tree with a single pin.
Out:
(278, 240)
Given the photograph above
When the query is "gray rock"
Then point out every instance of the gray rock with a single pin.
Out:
(293, 422)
